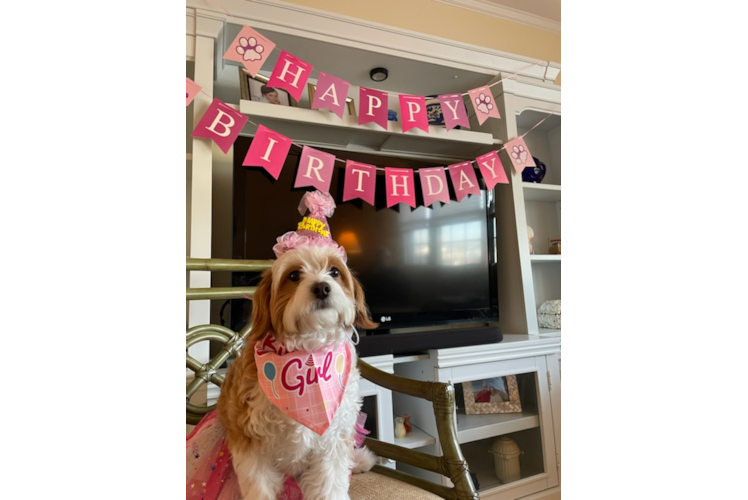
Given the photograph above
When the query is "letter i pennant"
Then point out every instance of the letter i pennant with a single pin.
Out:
(268, 150)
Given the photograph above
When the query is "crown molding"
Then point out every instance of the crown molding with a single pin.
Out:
(507, 13)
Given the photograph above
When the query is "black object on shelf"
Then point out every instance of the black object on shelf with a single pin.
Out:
(382, 342)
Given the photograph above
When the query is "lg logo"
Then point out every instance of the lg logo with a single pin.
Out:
(385, 318)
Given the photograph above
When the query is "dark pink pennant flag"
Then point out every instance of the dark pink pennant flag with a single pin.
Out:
(251, 49)
(290, 73)
(492, 169)
(331, 93)
(413, 110)
(483, 102)
(434, 185)
(315, 169)
(192, 90)
(519, 154)
(372, 107)
(222, 123)
(360, 181)
(464, 179)
(269, 150)
(399, 186)
(454, 111)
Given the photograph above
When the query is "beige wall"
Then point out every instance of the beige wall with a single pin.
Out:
(432, 18)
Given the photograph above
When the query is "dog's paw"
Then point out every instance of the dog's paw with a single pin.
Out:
(363, 460)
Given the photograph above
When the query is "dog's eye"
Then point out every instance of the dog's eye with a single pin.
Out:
(335, 272)
(295, 276)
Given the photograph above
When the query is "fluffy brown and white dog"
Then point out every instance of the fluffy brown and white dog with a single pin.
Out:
(308, 300)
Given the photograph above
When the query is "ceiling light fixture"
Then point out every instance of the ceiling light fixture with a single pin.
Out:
(378, 74)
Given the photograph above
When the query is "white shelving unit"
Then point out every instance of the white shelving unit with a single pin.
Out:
(533, 354)
(532, 359)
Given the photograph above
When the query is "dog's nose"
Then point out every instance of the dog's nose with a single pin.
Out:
(321, 290)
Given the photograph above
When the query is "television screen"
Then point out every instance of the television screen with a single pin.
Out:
(419, 267)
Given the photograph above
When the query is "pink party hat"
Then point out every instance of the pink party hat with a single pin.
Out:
(313, 229)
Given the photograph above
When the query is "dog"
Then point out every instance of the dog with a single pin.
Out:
(308, 301)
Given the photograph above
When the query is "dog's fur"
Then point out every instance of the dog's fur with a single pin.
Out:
(266, 445)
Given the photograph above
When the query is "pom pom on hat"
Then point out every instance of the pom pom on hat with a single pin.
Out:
(313, 229)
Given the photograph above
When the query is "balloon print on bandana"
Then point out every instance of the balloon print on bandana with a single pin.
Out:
(339, 365)
(269, 369)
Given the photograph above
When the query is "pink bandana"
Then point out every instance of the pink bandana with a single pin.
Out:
(306, 386)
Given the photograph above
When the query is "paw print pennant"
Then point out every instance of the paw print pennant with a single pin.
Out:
(483, 103)
(519, 154)
(251, 49)
(192, 90)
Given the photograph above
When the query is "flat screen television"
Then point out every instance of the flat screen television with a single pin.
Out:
(420, 269)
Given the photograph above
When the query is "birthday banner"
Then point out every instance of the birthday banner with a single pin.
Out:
(269, 149)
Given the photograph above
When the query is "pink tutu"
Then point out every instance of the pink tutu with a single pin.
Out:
(210, 473)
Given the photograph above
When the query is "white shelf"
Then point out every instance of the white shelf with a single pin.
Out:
(309, 126)
(475, 427)
(544, 258)
(541, 192)
(416, 438)
(549, 332)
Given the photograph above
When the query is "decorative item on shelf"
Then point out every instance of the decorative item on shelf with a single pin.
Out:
(534, 174)
(506, 459)
(434, 110)
(554, 246)
(406, 423)
(549, 314)
(474, 477)
(400, 427)
(392, 115)
(494, 395)
(530, 236)
(254, 88)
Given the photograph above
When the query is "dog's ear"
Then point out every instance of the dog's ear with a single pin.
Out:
(261, 322)
(362, 312)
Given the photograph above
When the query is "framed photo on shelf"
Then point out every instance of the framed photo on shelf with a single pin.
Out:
(255, 88)
(493, 395)
(350, 104)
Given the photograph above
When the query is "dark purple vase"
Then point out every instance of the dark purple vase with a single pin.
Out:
(534, 174)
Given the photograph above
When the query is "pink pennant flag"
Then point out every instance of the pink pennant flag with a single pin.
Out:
(372, 107)
(483, 102)
(520, 155)
(251, 49)
(492, 169)
(315, 169)
(331, 93)
(268, 150)
(400, 186)
(222, 123)
(290, 73)
(192, 90)
(454, 111)
(464, 179)
(413, 110)
(360, 181)
(434, 185)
